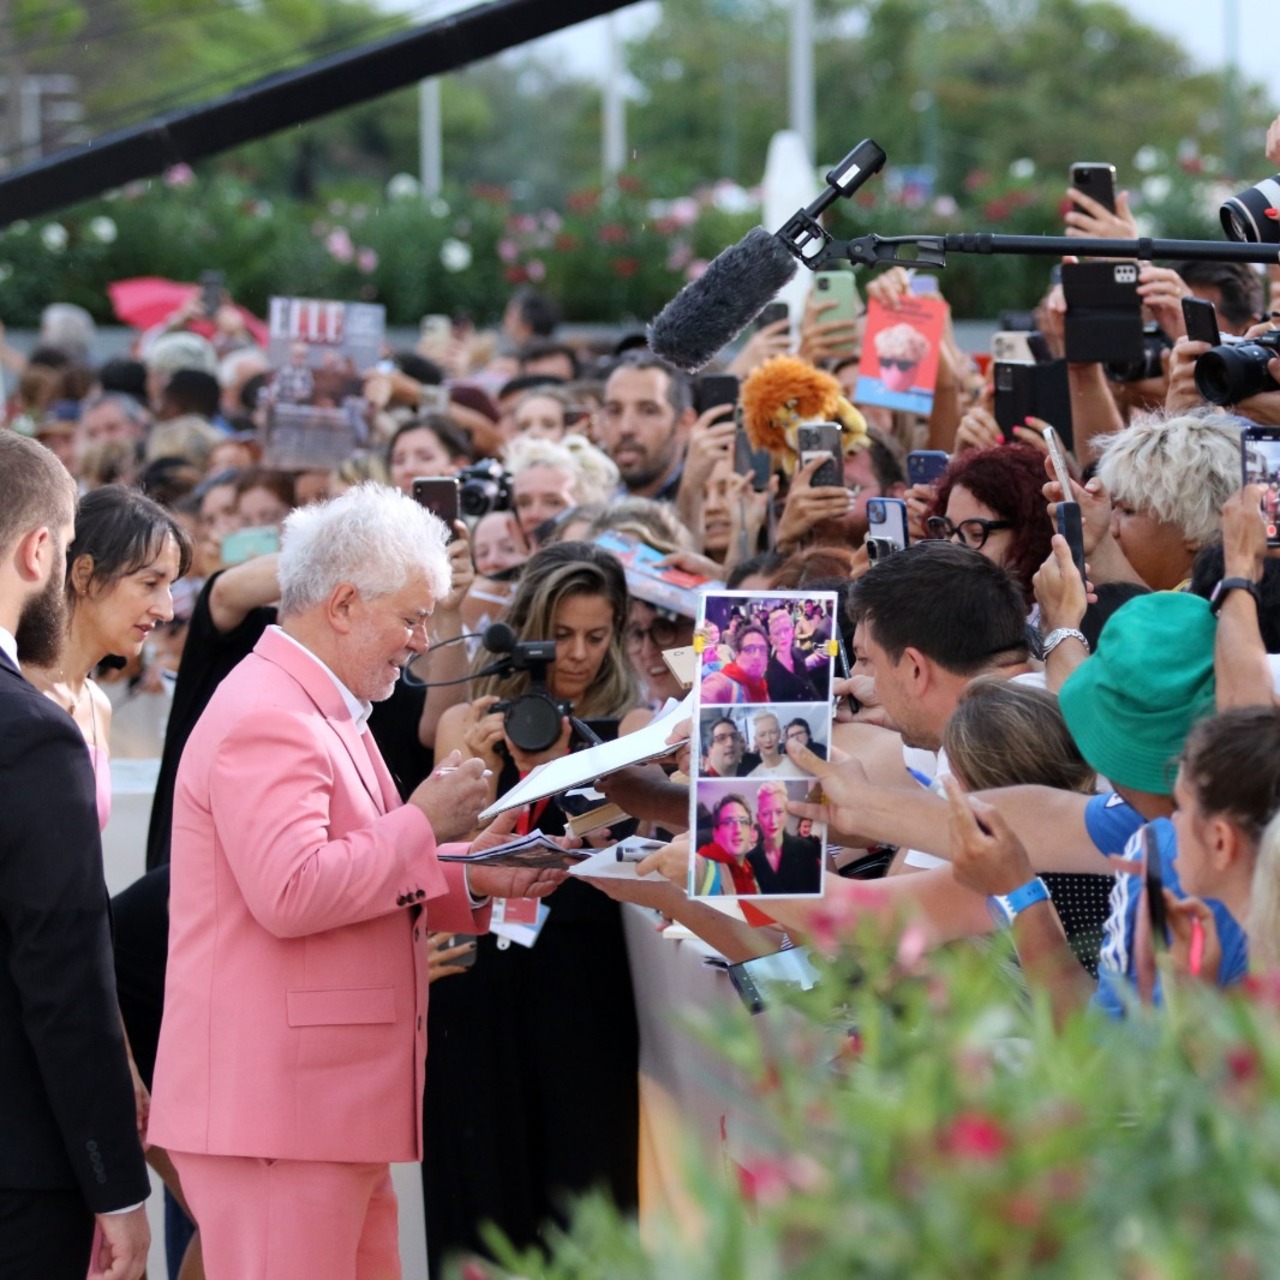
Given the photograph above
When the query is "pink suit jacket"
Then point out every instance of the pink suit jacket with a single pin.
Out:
(295, 1001)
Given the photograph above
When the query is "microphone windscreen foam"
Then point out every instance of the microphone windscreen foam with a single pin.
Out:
(708, 313)
(499, 638)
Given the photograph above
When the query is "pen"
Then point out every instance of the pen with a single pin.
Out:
(453, 768)
(633, 855)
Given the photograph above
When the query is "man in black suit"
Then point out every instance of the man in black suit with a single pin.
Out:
(69, 1148)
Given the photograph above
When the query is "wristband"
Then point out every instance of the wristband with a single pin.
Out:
(1219, 596)
(1006, 907)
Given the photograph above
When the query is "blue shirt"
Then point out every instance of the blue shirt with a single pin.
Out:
(1116, 967)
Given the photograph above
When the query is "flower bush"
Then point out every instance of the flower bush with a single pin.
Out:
(608, 255)
(932, 1123)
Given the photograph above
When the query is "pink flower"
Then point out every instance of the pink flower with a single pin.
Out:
(1242, 1063)
(338, 243)
(536, 268)
(679, 257)
(696, 269)
(179, 175)
(508, 250)
(763, 1182)
(613, 233)
(625, 267)
(367, 260)
(972, 1135)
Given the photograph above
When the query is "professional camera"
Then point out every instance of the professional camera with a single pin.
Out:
(532, 721)
(1235, 371)
(1154, 341)
(483, 487)
(1247, 216)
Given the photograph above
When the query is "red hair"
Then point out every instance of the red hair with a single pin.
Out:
(1009, 479)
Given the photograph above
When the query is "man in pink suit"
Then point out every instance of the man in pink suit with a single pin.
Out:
(292, 1051)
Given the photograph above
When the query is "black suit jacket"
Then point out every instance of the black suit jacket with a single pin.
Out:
(66, 1101)
(799, 868)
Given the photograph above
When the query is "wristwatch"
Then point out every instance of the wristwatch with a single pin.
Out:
(1233, 584)
(1059, 634)
(1005, 907)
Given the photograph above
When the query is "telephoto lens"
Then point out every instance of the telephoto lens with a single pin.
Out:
(1233, 372)
(533, 721)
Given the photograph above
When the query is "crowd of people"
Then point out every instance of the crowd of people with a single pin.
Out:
(314, 658)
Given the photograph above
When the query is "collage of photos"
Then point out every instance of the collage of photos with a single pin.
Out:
(764, 681)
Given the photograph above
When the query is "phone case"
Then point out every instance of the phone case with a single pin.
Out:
(887, 518)
(822, 437)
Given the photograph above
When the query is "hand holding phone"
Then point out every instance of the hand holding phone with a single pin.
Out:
(816, 439)
(1069, 516)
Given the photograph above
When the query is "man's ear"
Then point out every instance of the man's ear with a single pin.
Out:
(684, 423)
(33, 553)
(340, 607)
(917, 669)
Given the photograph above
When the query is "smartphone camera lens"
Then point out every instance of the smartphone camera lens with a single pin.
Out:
(875, 510)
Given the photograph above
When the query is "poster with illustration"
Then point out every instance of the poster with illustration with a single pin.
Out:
(899, 365)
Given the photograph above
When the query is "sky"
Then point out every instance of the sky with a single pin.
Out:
(1199, 25)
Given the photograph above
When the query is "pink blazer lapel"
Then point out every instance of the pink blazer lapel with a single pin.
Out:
(320, 688)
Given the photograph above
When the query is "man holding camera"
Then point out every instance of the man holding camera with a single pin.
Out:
(291, 1058)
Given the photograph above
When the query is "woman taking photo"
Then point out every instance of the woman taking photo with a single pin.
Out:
(533, 1086)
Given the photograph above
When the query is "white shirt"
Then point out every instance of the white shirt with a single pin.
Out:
(360, 711)
(9, 646)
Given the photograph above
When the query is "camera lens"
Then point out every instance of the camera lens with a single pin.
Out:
(532, 722)
(1228, 374)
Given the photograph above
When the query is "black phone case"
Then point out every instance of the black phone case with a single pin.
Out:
(1035, 391)
(1071, 526)
(1104, 312)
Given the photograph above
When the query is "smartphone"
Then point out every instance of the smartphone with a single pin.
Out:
(1201, 321)
(772, 313)
(248, 544)
(1260, 464)
(1035, 391)
(879, 549)
(439, 494)
(924, 466)
(1157, 910)
(756, 463)
(1012, 346)
(1104, 313)
(822, 439)
(924, 285)
(887, 518)
(212, 286)
(790, 968)
(468, 958)
(433, 399)
(712, 389)
(1096, 180)
(838, 287)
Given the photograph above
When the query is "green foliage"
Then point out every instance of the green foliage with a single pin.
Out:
(955, 1134)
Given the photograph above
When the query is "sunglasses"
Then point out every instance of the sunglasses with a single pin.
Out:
(904, 365)
(973, 532)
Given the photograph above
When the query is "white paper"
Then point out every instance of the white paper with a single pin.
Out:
(568, 772)
(606, 866)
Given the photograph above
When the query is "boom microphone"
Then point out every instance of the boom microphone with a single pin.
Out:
(708, 313)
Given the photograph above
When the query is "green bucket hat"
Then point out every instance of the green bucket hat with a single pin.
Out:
(1132, 703)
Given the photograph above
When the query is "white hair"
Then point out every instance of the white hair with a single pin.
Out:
(69, 328)
(373, 537)
(1264, 903)
(1180, 470)
(594, 475)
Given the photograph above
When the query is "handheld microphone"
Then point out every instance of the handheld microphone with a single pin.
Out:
(708, 313)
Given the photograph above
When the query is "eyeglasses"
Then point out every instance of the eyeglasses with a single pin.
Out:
(735, 822)
(662, 631)
(726, 735)
(973, 532)
(754, 648)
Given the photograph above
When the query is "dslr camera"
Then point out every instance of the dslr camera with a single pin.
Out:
(1235, 371)
(531, 721)
(483, 487)
(1154, 341)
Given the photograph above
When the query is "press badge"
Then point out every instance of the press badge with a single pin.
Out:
(517, 920)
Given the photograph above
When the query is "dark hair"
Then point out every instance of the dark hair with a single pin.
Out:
(714, 725)
(541, 348)
(121, 531)
(538, 311)
(751, 628)
(453, 440)
(278, 482)
(679, 385)
(958, 608)
(808, 565)
(766, 563)
(1239, 286)
(419, 368)
(719, 807)
(1232, 764)
(38, 492)
(166, 481)
(1009, 479)
(192, 391)
(523, 382)
(799, 720)
(1206, 573)
(48, 356)
(886, 461)
(251, 391)
(129, 377)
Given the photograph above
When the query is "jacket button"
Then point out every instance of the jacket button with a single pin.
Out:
(422, 893)
(401, 900)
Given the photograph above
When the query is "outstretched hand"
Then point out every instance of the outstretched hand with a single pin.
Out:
(986, 856)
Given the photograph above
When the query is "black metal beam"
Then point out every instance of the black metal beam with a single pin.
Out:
(285, 99)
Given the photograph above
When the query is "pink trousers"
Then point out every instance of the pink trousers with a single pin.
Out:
(292, 1219)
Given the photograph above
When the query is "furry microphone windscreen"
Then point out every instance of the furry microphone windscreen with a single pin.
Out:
(707, 314)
